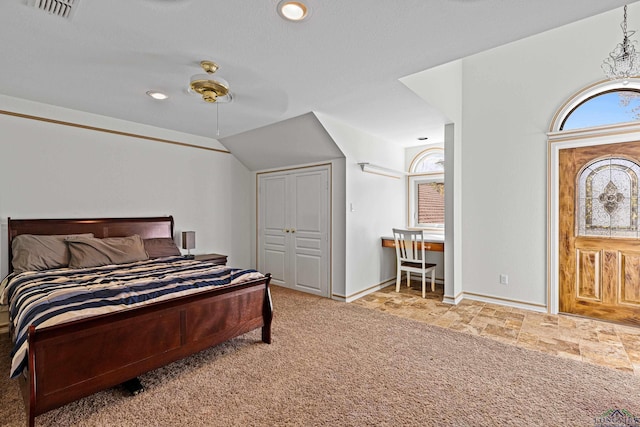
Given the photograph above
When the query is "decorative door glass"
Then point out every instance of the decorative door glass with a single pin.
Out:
(607, 204)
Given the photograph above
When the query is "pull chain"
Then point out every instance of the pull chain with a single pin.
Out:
(217, 119)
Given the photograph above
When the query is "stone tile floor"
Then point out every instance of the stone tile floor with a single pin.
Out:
(587, 340)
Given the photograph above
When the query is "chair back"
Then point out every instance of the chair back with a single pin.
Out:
(408, 245)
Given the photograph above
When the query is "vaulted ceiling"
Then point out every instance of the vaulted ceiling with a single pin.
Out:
(344, 60)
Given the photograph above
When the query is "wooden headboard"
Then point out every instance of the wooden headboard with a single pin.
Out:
(147, 228)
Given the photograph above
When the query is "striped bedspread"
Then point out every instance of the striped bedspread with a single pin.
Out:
(45, 298)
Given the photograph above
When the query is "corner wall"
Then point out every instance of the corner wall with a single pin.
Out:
(442, 87)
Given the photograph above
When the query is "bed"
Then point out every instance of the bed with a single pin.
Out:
(77, 357)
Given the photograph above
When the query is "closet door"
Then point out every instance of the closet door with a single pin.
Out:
(273, 228)
(293, 229)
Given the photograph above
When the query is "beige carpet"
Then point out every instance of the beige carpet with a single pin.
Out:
(335, 364)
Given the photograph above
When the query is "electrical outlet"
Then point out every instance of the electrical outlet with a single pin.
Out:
(504, 279)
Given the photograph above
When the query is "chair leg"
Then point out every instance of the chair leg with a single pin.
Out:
(408, 279)
(424, 293)
(398, 279)
(433, 280)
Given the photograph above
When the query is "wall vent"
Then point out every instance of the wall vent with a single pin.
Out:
(61, 8)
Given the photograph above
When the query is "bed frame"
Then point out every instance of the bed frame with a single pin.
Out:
(69, 361)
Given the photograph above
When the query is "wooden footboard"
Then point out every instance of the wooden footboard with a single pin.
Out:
(73, 360)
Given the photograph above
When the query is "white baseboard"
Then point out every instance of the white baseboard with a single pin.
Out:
(363, 292)
(541, 308)
(447, 299)
(370, 290)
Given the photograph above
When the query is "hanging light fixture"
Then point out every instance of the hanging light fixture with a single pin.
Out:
(210, 88)
(213, 90)
(623, 62)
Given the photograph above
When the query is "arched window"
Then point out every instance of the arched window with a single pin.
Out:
(428, 161)
(602, 104)
(426, 190)
(615, 106)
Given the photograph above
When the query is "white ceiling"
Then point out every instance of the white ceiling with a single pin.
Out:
(344, 61)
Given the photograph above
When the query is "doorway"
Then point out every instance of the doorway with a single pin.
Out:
(593, 235)
(598, 231)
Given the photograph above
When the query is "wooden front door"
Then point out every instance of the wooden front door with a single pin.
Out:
(599, 243)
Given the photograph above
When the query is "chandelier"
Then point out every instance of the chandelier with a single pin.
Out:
(623, 62)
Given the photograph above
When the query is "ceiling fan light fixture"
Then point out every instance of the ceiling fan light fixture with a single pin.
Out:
(207, 86)
(293, 10)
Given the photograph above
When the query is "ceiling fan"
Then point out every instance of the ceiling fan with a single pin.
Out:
(211, 88)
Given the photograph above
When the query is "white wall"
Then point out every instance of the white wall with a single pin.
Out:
(54, 171)
(374, 205)
(509, 96)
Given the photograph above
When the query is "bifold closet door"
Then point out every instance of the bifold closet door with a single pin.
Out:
(293, 228)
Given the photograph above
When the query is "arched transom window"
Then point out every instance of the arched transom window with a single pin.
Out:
(429, 161)
(616, 106)
(605, 103)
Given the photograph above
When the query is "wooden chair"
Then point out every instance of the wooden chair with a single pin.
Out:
(410, 256)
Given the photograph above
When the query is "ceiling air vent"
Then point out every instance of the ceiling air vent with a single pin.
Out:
(61, 8)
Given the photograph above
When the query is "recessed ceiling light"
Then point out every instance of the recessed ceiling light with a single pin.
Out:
(293, 10)
(156, 95)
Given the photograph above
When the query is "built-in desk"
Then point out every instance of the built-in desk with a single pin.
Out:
(431, 243)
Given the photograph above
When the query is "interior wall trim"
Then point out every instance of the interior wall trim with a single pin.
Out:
(357, 295)
(111, 131)
(364, 292)
(454, 300)
(541, 308)
(292, 168)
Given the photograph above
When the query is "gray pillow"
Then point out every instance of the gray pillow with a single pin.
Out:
(92, 252)
(161, 247)
(38, 252)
